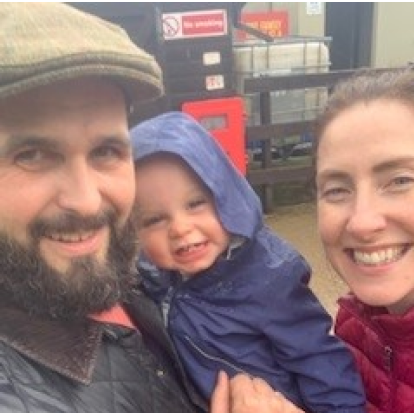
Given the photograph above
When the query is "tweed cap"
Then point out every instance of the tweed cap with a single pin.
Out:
(44, 43)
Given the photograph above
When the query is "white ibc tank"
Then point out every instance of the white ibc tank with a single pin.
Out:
(281, 57)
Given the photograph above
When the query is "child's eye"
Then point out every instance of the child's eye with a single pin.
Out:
(150, 221)
(198, 202)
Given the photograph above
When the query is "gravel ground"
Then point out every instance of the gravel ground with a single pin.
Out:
(297, 224)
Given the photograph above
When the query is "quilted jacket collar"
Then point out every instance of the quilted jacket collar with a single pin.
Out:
(67, 348)
(72, 349)
(398, 328)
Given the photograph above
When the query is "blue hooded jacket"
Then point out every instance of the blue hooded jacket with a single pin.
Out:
(252, 311)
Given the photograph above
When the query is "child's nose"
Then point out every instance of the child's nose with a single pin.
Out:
(179, 226)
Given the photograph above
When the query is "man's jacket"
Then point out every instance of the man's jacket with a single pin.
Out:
(47, 366)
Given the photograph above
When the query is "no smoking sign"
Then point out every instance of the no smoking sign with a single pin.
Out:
(194, 24)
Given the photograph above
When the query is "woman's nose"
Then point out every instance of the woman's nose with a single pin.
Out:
(366, 219)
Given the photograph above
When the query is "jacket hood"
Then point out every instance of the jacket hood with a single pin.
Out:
(237, 204)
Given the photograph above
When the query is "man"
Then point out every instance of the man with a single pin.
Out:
(75, 334)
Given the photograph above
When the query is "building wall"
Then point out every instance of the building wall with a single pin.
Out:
(393, 34)
(310, 19)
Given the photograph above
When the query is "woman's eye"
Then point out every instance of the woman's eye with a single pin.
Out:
(401, 183)
(334, 194)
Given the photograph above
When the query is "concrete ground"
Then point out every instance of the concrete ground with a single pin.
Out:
(297, 224)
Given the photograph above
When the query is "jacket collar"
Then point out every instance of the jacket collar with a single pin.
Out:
(398, 328)
(71, 349)
(67, 348)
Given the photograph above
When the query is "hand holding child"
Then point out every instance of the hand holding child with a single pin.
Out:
(243, 394)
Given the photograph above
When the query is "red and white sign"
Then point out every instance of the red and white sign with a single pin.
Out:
(194, 24)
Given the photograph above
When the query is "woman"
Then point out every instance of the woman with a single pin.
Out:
(365, 202)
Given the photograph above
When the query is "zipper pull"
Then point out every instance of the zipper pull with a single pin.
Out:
(388, 357)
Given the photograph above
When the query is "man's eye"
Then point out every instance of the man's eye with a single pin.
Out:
(107, 152)
(30, 155)
(111, 153)
(35, 159)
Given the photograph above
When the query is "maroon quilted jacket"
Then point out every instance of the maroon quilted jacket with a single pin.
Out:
(383, 345)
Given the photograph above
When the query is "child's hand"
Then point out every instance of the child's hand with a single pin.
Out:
(243, 394)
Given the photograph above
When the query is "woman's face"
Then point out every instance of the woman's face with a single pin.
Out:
(365, 199)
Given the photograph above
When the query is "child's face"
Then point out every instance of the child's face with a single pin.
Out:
(178, 227)
(365, 185)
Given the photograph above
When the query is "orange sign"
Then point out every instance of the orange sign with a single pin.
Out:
(273, 23)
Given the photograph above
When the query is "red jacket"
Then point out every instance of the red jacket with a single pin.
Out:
(383, 345)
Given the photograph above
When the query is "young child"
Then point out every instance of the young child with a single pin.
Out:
(235, 296)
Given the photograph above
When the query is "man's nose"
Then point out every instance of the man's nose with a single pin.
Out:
(79, 189)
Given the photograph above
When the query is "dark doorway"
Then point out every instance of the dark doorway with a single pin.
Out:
(350, 27)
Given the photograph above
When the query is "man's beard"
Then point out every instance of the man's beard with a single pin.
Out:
(88, 286)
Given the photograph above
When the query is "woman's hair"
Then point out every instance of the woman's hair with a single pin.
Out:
(366, 86)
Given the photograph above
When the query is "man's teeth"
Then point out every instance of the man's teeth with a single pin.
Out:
(378, 257)
(70, 237)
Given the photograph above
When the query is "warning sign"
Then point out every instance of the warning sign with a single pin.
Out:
(274, 23)
(194, 24)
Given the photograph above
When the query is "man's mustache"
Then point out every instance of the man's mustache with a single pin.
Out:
(71, 223)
